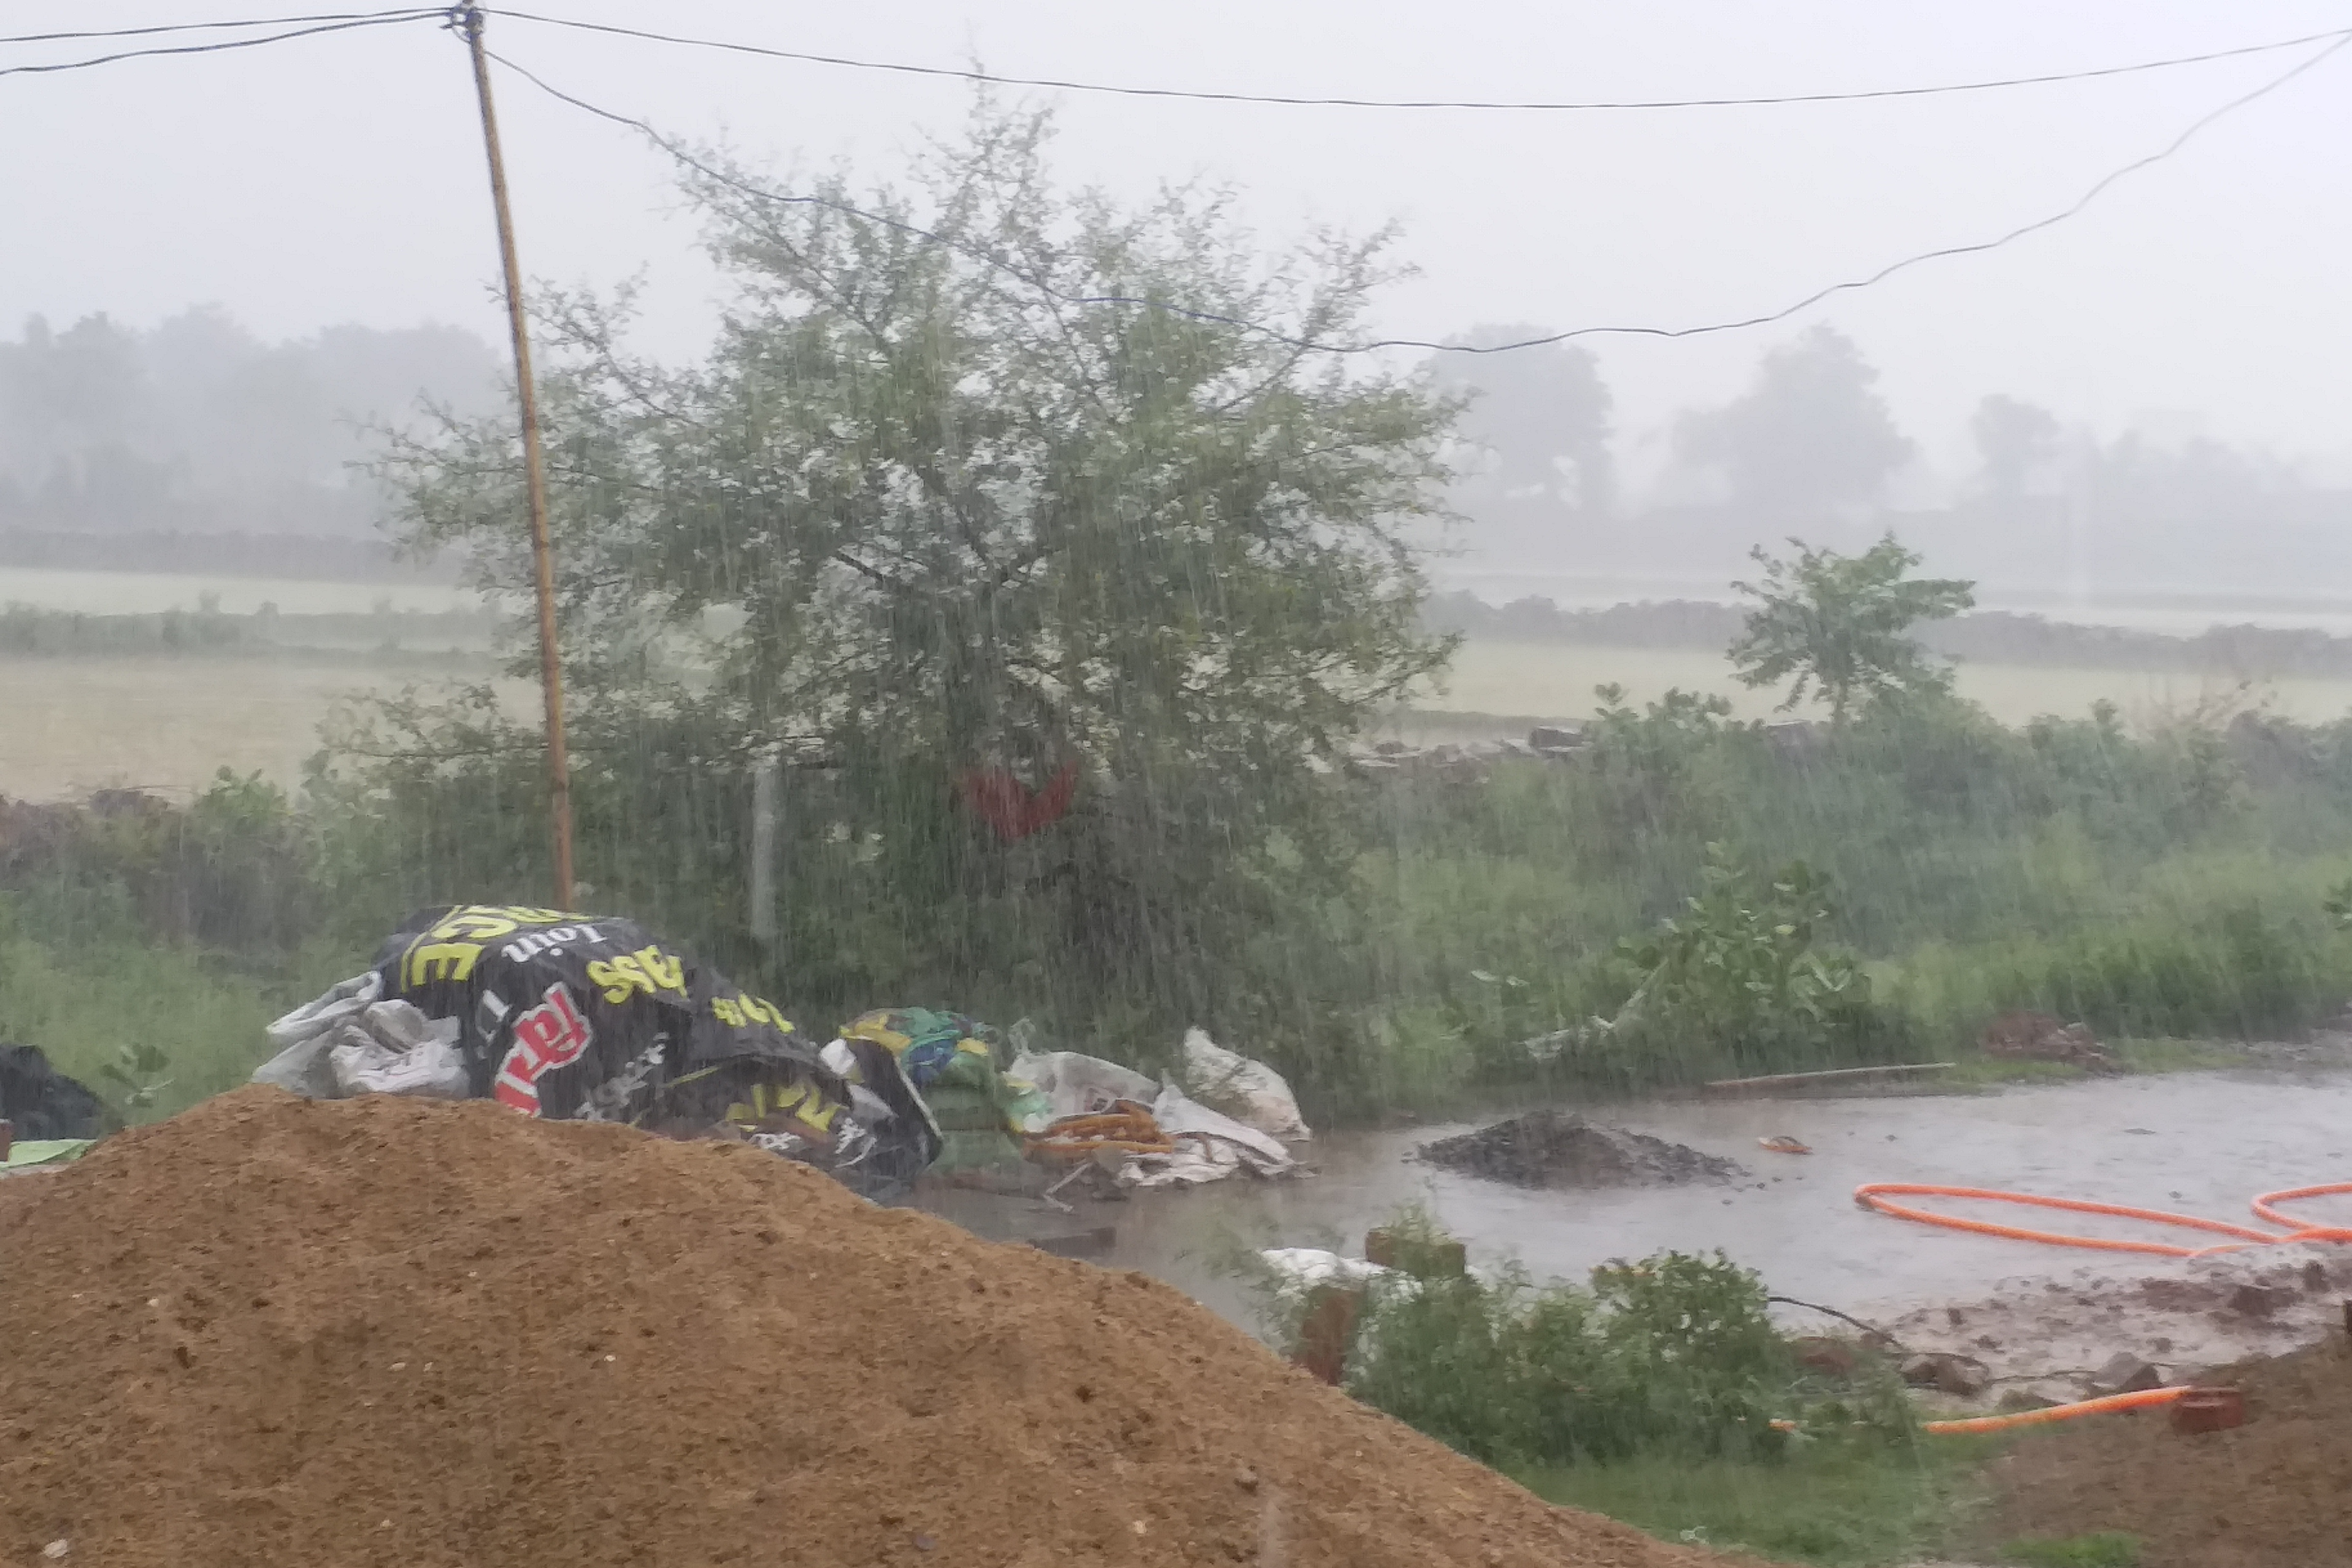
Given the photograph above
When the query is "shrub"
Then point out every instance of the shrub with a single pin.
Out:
(1674, 1354)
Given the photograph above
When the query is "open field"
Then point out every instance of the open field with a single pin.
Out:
(151, 593)
(1555, 680)
(76, 724)
(73, 724)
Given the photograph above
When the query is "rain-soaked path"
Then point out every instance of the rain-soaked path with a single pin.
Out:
(2200, 1143)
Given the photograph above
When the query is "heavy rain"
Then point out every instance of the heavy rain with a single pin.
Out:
(1292, 786)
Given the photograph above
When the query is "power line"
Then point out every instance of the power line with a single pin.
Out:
(218, 27)
(992, 80)
(377, 19)
(1211, 317)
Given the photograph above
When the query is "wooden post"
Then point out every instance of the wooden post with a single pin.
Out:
(550, 666)
(763, 847)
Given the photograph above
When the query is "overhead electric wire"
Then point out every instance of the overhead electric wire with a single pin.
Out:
(378, 19)
(85, 37)
(1299, 101)
(1213, 318)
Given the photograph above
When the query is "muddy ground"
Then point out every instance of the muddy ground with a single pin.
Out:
(2201, 1143)
(2274, 1492)
(2048, 1339)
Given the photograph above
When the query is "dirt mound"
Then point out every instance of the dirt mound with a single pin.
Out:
(431, 1336)
(1560, 1149)
(2277, 1491)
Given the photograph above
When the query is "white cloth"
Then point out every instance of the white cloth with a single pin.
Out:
(1254, 1092)
(348, 1042)
(1209, 1146)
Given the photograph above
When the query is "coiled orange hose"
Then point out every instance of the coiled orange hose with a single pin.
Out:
(1870, 1196)
(2305, 1233)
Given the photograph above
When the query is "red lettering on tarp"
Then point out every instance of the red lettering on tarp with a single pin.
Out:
(549, 1035)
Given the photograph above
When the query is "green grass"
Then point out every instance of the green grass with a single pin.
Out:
(2158, 1056)
(1837, 1506)
(82, 992)
(2102, 1549)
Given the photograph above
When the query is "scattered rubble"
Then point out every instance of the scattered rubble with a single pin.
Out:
(2096, 1331)
(2039, 1038)
(1961, 1376)
(1553, 1148)
(2125, 1374)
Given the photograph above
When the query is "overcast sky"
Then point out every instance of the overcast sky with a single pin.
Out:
(340, 178)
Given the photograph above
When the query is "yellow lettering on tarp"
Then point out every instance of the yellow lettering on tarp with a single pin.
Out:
(648, 970)
(819, 1112)
(618, 977)
(726, 1012)
(429, 962)
(666, 973)
(487, 922)
(768, 1099)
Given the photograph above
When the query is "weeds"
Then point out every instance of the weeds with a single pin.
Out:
(2102, 1549)
(1674, 1354)
(2187, 882)
(137, 1073)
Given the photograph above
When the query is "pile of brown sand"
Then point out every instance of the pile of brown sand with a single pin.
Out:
(1553, 1148)
(2276, 1491)
(394, 1332)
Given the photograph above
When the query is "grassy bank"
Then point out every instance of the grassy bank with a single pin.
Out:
(2157, 884)
(1837, 1508)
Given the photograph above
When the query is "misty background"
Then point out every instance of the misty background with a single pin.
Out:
(2143, 403)
(197, 426)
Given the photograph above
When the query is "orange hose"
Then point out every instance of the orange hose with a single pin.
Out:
(2304, 1233)
(1870, 1197)
(2138, 1401)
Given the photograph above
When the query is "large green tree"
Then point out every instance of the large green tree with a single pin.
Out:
(980, 473)
(1838, 628)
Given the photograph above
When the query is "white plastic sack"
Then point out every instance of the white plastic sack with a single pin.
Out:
(1252, 1093)
(345, 1002)
(1306, 1267)
(432, 1070)
(393, 1048)
(1078, 1084)
(1209, 1146)
(303, 1068)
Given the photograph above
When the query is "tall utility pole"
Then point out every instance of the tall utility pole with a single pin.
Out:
(551, 667)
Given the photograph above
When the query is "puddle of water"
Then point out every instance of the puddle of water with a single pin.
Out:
(2199, 1143)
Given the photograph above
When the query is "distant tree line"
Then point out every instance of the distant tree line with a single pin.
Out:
(197, 426)
(1810, 446)
(1992, 637)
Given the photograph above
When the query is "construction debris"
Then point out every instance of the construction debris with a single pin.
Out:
(2039, 1038)
(1553, 1148)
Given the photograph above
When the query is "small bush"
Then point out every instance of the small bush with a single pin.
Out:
(1674, 1354)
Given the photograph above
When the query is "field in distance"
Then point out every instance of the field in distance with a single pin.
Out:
(1555, 681)
(153, 592)
(168, 723)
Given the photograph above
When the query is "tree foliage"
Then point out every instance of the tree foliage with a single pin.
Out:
(1544, 415)
(1811, 435)
(1841, 625)
(2017, 443)
(932, 505)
